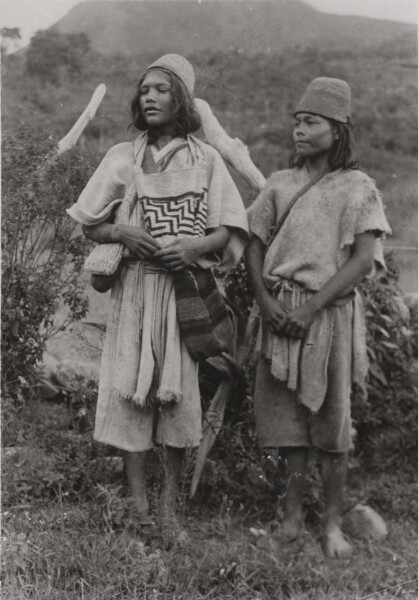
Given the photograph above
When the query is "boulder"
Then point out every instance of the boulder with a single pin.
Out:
(68, 373)
(364, 522)
(411, 300)
(75, 353)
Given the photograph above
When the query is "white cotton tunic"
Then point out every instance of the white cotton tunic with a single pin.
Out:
(144, 360)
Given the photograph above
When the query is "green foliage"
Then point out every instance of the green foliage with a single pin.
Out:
(386, 423)
(51, 55)
(41, 258)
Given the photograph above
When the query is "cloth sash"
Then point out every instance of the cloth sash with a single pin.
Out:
(302, 363)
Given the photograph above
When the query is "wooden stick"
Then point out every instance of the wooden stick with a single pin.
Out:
(232, 150)
(70, 140)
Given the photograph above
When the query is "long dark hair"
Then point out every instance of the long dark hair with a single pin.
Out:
(186, 117)
(342, 152)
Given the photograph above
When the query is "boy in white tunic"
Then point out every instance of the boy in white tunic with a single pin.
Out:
(185, 210)
(312, 342)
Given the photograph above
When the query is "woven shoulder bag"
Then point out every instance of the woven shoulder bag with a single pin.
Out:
(204, 320)
(104, 259)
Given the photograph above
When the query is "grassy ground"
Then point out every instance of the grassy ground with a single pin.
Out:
(68, 534)
(61, 552)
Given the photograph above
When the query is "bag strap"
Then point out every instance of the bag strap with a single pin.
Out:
(293, 201)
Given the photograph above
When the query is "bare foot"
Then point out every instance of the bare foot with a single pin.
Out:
(335, 545)
(292, 528)
(139, 504)
(171, 530)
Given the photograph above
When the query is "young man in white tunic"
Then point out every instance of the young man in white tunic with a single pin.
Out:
(185, 210)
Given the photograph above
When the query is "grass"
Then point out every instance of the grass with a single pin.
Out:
(72, 537)
(62, 552)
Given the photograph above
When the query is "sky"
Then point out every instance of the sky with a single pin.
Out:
(32, 15)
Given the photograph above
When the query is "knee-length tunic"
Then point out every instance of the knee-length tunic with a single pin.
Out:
(148, 387)
(315, 241)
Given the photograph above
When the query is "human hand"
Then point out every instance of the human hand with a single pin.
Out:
(272, 311)
(181, 253)
(297, 322)
(139, 243)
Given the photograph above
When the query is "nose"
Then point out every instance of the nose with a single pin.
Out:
(299, 130)
(150, 96)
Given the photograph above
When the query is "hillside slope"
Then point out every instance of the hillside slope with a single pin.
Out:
(132, 27)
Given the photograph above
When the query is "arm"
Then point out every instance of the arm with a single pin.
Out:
(136, 239)
(272, 311)
(298, 321)
(185, 251)
(139, 242)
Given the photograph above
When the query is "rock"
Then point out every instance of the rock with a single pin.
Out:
(256, 532)
(11, 453)
(364, 522)
(57, 376)
(74, 354)
(68, 373)
(411, 300)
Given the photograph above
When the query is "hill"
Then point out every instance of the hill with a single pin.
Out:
(250, 26)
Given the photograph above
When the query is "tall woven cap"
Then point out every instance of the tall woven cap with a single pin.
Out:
(180, 66)
(327, 97)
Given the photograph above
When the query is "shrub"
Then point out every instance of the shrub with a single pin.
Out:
(386, 422)
(41, 257)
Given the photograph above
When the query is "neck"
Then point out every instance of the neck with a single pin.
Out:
(161, 136)
(317, 164)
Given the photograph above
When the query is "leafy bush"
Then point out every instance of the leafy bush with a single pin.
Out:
(41, 257)
(386, 423)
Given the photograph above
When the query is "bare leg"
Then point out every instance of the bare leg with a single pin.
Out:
(135, 472)
(296, 462)
(334, 472)
(173, 469)
(172, 476)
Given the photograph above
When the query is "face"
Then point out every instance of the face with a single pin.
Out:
(313, 135)
(156, 99)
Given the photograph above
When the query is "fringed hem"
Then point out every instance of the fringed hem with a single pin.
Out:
(143, 402)
(131, 399)
(167, 396)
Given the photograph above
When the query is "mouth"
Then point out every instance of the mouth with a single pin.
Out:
(151, 111)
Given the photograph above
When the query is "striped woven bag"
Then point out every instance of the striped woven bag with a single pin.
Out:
(205, 324)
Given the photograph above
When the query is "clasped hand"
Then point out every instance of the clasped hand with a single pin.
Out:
(139, 243)
(177, 255)
(294, 323)
(180, 253)
(297, 322)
